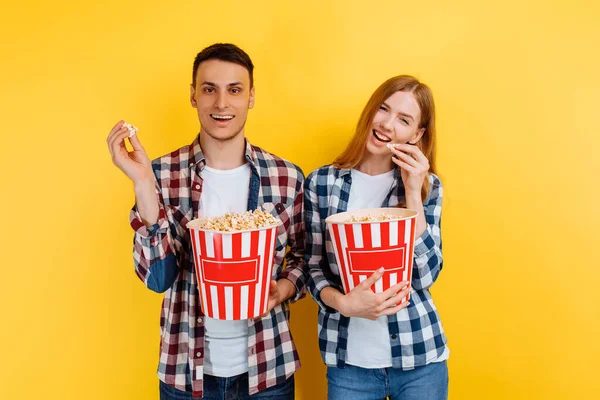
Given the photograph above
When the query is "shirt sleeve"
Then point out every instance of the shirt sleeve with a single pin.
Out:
(154, 259)
(295, 265)
(319, 272)
(428, 262)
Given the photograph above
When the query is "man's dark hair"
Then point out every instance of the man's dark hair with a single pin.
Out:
(224, 52)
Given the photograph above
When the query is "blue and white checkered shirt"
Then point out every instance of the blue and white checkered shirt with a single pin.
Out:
(416, 334)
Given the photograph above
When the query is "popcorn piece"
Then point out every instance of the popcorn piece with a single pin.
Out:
(132, 129)
(231, 222)
(373, 218)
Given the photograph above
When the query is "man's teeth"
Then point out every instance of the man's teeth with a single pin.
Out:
(222, 116)
(380, 137)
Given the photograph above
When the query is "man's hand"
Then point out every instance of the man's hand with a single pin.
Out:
(138, 167)
(279, 291)
(135, 164)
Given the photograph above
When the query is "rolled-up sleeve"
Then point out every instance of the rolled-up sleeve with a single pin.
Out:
(428, 261)
(154, 260)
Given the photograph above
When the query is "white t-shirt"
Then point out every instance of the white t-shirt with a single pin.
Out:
(368, 341)
(226, 342)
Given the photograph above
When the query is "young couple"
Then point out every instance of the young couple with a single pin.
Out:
(373, 349)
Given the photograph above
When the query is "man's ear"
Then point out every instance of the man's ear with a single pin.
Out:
(251, 100)
(193, 95)
(417, 136)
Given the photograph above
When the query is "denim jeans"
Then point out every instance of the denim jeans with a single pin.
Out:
(354, 383)
(234, 388)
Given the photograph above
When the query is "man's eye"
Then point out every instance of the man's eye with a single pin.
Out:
(209, 90)
(235, 90)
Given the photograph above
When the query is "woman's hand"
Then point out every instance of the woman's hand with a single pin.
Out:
(413, 164)
(364, 303)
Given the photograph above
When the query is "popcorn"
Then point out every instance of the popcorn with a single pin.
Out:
(232, 221)
(132, 129)
(373, 218)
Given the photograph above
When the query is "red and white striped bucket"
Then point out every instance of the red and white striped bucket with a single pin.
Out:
(234, 271)
(361, 248)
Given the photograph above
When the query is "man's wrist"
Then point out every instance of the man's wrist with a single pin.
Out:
(143, 187)
(286, 288)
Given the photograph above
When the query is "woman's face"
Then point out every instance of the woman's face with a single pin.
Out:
(396, 121)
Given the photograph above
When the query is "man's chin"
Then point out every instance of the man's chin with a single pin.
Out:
(222, 136)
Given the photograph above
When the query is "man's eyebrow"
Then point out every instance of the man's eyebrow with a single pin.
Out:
(207, 83)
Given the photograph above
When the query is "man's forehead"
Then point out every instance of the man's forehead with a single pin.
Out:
(222, 73)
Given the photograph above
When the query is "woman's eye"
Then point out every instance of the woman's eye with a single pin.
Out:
(382, 108)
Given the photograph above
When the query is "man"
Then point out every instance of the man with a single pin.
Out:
(218, 172)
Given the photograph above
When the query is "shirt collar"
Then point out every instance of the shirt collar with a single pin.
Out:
(346, 171)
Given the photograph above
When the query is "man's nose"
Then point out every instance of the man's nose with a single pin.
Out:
(220, 100)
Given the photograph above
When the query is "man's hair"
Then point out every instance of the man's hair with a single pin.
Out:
(224, 52)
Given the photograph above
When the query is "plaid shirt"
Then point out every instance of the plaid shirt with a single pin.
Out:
(164, 262)
(416, 333)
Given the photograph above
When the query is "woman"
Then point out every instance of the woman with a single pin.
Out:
(372, 347)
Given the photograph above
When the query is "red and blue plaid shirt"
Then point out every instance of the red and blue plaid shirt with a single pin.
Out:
(164, 262)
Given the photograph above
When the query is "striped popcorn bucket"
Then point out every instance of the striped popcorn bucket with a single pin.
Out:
(234, 270)
(361, 248)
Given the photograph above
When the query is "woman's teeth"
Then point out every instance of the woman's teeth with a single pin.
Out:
(381, 137)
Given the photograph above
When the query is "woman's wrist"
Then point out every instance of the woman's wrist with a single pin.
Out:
(334, 299)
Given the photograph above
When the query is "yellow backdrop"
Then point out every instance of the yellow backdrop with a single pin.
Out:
(516, 85)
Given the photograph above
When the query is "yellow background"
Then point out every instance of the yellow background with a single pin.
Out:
(516, 85)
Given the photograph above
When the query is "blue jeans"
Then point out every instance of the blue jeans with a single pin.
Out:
(236, 387)
(354, 383)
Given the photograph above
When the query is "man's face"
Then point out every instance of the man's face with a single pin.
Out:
(222, 97)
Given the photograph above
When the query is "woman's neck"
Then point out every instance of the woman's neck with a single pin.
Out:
(375, 165)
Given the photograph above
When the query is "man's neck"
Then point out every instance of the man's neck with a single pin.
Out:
(375, 165)
(223, 155)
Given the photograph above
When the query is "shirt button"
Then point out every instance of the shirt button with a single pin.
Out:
(197, 187)
(394, 336)
(198, 354)
(252, 351)
(199, 320)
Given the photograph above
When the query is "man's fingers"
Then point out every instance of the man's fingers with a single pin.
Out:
(111, 138)
(114, 130)
(136, 144)
(117, 139)
(273, 287)
(117, 142)
(117, 126)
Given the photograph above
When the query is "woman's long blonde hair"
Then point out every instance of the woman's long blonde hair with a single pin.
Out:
(356, 148)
